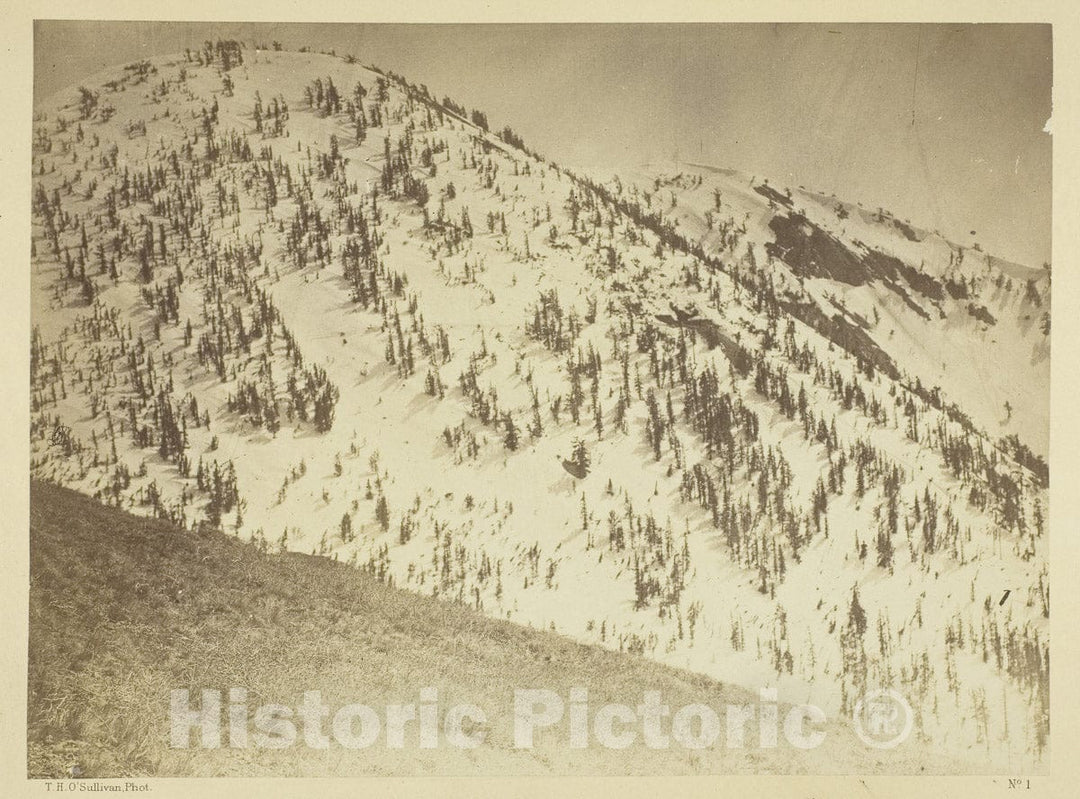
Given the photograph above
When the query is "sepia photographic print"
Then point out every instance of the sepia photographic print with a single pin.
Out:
(508, 400)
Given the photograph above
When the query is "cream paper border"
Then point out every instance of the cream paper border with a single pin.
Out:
(16, 38)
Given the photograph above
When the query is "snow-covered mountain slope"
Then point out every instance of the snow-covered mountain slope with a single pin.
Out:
(964, 326)
(308, 303)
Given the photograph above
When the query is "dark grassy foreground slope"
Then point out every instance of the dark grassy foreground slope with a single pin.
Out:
(123, 609)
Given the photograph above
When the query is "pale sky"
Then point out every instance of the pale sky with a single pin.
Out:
(941, 124)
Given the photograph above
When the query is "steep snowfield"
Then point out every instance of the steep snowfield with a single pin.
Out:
(979, 362)
(700, 536)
